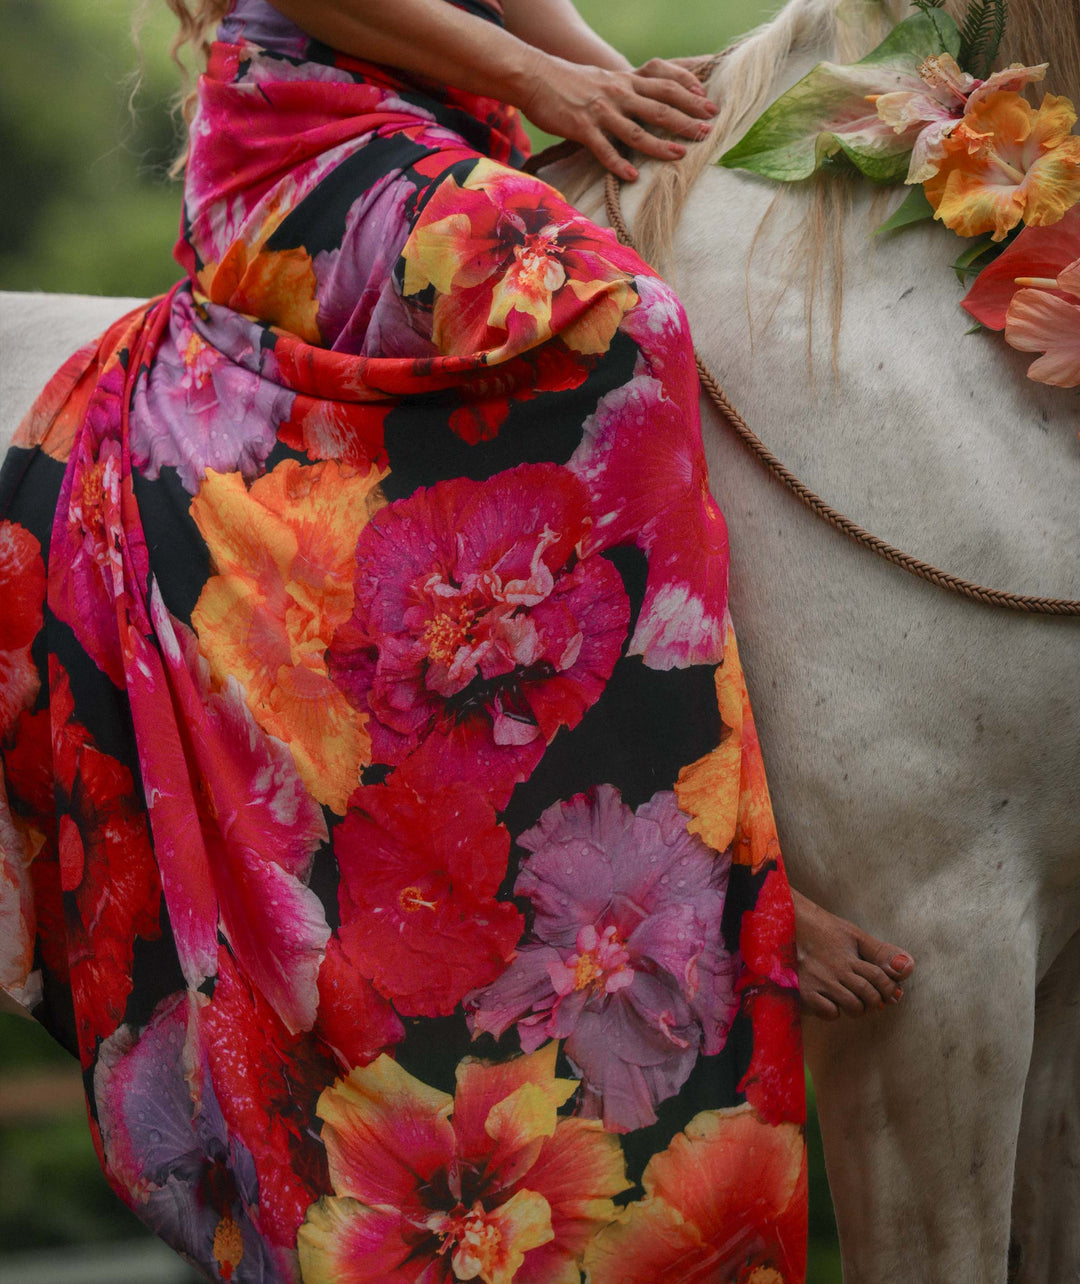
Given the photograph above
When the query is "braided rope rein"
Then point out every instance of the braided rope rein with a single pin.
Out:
(1025, 602)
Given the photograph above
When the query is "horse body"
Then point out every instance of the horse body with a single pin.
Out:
(923, 750)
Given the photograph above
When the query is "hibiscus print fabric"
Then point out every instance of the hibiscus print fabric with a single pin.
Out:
(382, 820)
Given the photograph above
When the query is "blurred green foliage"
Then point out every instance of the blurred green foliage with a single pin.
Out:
(86, 136)
(86, 133)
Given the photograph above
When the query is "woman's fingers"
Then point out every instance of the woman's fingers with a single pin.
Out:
(668, 89)
(601, 108)
(660, 114)
(665, 69)
(608, 155)
(641, 140)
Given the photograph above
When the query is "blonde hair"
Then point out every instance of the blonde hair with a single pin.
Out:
(198, 21)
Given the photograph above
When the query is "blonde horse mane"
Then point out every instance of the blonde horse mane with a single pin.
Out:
(743, 84)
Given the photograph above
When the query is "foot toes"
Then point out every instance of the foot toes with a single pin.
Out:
(892, 960)
(884, 986)
(819, 1006)
(869, 996)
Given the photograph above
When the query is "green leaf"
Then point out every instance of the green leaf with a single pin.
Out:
(827, 112)
(980, 36)
(965, 263)
(914, 208)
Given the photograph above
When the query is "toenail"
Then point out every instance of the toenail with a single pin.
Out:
(900, 961)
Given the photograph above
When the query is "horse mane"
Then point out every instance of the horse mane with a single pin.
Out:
(743, 85)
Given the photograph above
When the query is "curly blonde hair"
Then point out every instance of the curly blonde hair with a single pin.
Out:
(198, 21)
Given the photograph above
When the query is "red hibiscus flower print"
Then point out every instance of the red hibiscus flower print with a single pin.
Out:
(28, 768)
(267, 1082)
(22, 583)
(490, 1184)
(418, 907)
(512, 264)
(107, 868)
(478, 629)
(773, 1082)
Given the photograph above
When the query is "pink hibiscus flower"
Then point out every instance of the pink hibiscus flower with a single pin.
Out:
(489, 1184)
(642, 459)
(418, 908)
(479, 628)
(236, 831)
(1032, 291)
(938, 108)
(625, 960)
(87, 588)
(1037, 253)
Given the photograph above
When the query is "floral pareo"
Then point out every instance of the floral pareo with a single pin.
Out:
(382, 820)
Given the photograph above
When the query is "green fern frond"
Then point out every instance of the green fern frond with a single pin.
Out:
(927, 5)
(981, 34)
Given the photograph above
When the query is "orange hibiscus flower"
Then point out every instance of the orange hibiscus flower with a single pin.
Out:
(725, 793)
(490, 1184)
(284, 556)
(724, 1204)
(1005, 162)
(277, 286)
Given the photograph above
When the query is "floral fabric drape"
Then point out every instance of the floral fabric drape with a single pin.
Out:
(384, 825)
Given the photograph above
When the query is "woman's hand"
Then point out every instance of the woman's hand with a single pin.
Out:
(594, 106)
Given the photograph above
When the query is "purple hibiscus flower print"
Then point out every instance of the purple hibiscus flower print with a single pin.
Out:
(166, 1143)
(625, 960)
(211, 399)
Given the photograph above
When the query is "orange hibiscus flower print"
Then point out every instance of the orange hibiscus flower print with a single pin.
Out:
(724, 1204)
(283, 552)
(725, 793)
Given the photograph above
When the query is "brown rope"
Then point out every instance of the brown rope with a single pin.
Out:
(1028, 603)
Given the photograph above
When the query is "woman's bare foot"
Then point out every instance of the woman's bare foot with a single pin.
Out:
(841, 967)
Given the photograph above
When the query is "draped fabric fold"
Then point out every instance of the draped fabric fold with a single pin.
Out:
(383, 823)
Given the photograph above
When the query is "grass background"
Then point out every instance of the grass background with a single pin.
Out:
(87, 136)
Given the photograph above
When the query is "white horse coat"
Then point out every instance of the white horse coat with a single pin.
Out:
(924, 751)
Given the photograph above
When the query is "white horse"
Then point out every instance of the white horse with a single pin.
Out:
(924, 751)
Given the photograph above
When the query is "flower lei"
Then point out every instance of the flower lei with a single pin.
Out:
(923, 108)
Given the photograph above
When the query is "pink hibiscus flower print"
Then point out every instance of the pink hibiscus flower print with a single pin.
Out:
(478, 628)
(236, 830)
(625, 960)
(642, 460)
(489, 1184)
